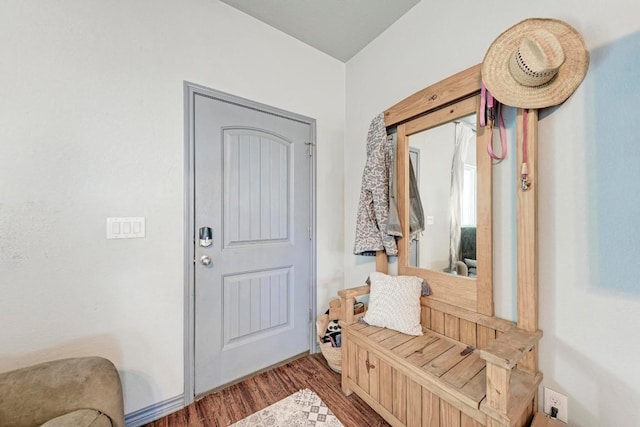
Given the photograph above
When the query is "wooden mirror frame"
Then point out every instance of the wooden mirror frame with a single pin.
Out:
(443, 102)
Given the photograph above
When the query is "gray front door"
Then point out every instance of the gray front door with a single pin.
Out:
(253, 197)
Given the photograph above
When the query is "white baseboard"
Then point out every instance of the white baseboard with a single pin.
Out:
(153, 412)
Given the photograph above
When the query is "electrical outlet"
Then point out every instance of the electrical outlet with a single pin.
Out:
(557, 400)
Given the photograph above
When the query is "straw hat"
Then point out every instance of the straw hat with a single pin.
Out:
(536, 63)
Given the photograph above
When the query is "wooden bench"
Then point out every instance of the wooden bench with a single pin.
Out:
(461, 372)
(469, 368)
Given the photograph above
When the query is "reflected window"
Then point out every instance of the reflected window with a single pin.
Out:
(469, 196)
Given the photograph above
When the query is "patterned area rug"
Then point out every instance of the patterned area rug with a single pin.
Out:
(301, 409)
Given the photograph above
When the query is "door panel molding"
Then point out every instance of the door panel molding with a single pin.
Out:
(192, 90)
(271, 300)
(264, 169)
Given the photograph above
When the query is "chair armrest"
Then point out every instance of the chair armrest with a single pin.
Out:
(36, 394)
(509, 388)
(347, 299)
(355, 292)
(509, 348)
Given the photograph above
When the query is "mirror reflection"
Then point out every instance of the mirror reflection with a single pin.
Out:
(443, 160)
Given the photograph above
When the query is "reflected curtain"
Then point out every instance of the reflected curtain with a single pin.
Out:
(463, 135)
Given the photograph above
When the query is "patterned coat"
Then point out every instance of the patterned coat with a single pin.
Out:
(373, 207)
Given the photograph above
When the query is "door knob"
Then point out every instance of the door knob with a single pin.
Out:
(205, 260)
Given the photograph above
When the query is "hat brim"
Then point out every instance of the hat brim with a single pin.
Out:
(498, 79)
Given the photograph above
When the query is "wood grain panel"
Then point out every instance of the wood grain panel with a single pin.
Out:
(468, 333)
(395, 340)
(485, 336)
(511, 347)
(464, 371)
(382, 262)
(414, 345)
(345, 354)
(352, 362)
(527, 416)
(370, 330)
(484, 229)
(457, 86)
(467, 421)
(527, 251)
(363, 370)
(427, 354)
(480, 319)
(477, 386)
(456, 111)
(437, 321)
(452, 326)
(414, 404)
(399, 396)
(497, 387)
(382, 334)
(450, 289)
(430, 409)
(386, 386)
(527, 207)
(374, 377)
(425, 317)
(445, 361)
(449, 415)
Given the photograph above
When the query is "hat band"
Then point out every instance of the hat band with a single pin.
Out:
(524, 75)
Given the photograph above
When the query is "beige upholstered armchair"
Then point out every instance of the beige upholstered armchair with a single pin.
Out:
(83, 391)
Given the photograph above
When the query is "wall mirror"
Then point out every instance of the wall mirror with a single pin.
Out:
(444, 166)
(431, 127)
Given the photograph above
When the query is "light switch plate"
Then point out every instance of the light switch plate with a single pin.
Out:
(125, 227)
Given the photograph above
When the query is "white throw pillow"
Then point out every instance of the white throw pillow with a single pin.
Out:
(394, 303)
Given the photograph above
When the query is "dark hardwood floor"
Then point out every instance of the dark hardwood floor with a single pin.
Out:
(237, 401)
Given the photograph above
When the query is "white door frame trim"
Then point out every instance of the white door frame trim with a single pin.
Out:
(190, 90)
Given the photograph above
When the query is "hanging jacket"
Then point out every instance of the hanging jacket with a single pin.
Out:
(393, 223)
(373, 206)
(416, 213)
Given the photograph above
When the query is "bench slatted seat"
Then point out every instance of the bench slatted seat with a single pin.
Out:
(438, 356)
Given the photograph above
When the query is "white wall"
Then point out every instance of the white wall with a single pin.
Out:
(91, 126)
(589, 297)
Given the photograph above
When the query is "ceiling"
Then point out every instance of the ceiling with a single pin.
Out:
(340, 28)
